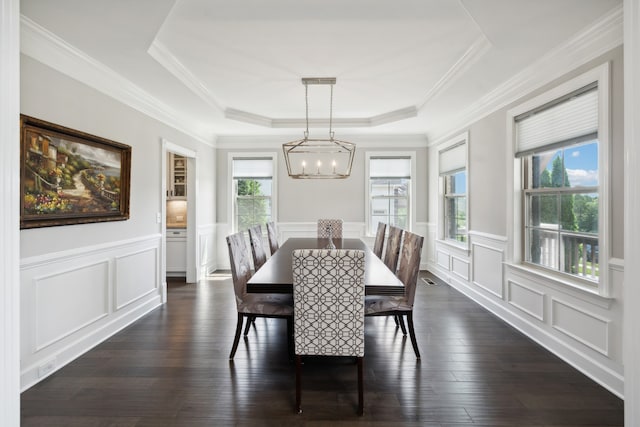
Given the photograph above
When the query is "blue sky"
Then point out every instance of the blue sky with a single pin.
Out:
(581, 163)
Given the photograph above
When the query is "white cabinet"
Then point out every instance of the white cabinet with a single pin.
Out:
(176, 177)
(176, 251)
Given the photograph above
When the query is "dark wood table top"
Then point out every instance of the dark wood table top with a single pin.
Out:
(275, 276)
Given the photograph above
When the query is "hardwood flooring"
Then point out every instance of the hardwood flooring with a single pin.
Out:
(171, 368)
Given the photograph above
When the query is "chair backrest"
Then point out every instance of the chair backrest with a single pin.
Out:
(240, 264)
(257, 247)
(273, 237)
(328, 302)
(410, 264)
(393, 248)
(330, 228)
(379, 243)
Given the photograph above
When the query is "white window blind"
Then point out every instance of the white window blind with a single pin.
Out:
(390, 167)
(571, 118)
(453, 159)
(253, 168)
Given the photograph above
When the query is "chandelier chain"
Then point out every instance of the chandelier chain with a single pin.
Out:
(331, 114)
(306, 101)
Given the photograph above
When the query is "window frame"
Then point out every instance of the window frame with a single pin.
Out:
(412, 186)
(516, 178)
(461, 139)
(231, 187)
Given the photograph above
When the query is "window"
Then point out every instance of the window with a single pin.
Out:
(252, 191)
(455, 206)
(559, 147)
(389, 191)
(452, 165)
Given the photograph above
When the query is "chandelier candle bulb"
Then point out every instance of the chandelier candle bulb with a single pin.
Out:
(334, 167)
(319, 164)
(303, 165)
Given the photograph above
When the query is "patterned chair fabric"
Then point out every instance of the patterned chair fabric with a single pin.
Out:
(408, 273)
(257, 247)
(252, 305)
(393, 248)
(328, 295)
(273, 237)
(379, 243)
(330, 228)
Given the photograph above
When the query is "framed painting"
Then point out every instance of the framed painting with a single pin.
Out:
(71, 177)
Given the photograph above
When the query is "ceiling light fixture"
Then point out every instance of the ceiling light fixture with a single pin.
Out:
(313, 158)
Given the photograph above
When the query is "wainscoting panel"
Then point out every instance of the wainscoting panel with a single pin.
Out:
(133, 278)
(460, 267)
(585, 327)
(72, 300)
(526, 299)
(207, 259)
(443, 260)
(57, 316)
(487, 268)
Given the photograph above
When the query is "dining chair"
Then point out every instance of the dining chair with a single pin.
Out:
(379, 242)
(401, 306)
(393, 248)
(273, 237)
(328, 315)
(257, 247)
(251, 306)
(330, 228)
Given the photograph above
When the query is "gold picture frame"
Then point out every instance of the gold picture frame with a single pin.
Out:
(70, 177)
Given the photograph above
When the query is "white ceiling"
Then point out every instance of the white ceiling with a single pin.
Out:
(235, 67)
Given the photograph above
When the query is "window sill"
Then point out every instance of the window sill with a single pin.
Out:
(452, 244)
(573, 288)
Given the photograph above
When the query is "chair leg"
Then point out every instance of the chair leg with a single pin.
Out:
(298, 383)
(236, 340)
(250, 320)
(412, 334)
(400, 321)
(360, 386)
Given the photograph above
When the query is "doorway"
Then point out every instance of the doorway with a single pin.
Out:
(178, 213)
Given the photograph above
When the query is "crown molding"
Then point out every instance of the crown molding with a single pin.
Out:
(468, 58)
(160, 53)
(256, 119)
(233, 142)
(599, 38)
(44, 46)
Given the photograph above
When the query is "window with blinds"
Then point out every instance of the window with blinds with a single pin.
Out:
(252, 191)
(389, 191)
(452, 167)
(558, 144)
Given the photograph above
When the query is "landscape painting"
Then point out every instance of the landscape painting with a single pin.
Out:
(70, 177)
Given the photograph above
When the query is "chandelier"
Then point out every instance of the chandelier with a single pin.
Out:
(313, 158)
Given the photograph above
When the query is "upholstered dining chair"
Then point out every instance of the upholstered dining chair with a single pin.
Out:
(330, 228)
(257, 247)
(251, 306)
(273, 237)
(328, 301)
(408, 274)
(393, 247)
(379, 242)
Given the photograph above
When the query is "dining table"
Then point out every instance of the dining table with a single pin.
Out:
(276, 275)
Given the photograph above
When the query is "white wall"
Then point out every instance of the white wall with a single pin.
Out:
(82, 283)
(582, 328)
(9, 219)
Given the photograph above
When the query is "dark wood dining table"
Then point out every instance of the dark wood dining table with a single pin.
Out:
(276, 276)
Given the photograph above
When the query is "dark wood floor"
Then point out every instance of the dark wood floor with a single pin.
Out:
(171, 368)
